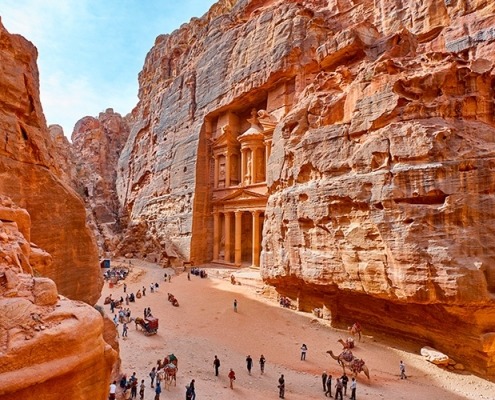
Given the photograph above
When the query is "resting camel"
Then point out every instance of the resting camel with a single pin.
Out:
(354, 364)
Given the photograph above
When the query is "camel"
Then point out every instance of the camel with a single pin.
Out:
(354, 364)
(348, 344)
(170, 359)
(170, 375)
(355, 329)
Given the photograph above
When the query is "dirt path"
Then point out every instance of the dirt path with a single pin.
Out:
(205, 325)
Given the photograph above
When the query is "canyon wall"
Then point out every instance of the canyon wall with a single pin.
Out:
(31, 174)
(95, 150)
(380, 174)
(50, 347)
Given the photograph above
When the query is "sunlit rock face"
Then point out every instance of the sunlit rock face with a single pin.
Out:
(50, 346)
(96, 147)
(31, 175)
(379, 179)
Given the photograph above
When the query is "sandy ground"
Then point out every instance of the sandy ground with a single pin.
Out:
(205, 325)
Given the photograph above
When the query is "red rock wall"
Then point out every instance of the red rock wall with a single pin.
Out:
(31, 175)
(380, 177)
(98, 142)
(50, 347)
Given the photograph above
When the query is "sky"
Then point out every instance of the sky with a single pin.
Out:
(90, 52)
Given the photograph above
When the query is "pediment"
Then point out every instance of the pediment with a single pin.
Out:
(242, 195)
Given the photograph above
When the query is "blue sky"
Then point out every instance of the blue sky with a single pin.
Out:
(91, 51)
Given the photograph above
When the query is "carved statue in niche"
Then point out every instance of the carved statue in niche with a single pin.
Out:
(247, 177)
(221, 174)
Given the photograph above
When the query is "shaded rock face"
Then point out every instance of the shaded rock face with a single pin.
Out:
(48, 344)
(31, 175)
(380, 173)
(96, 147)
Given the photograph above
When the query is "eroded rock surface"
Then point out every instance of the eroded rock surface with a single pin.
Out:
(50, 346)
(380, 175)
(96, 147)
(31, 175)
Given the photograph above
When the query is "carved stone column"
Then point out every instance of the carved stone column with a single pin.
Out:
(216, 172)
(216, 235)
(256, 239)
(238, 238)
(254, 161)
(228, 245)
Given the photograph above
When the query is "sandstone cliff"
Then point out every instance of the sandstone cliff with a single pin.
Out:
(31, 175)
(379, 178)
(96, 147)
(50, 347)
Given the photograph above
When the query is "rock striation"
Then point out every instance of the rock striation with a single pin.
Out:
(31, 175)
(379, 176)
(98, 142)
(48, 344)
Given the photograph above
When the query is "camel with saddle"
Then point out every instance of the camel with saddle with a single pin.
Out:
(347, 344)
(347, 360)
(355, 329)
(170, 366)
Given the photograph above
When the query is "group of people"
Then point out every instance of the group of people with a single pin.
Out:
(340, 386)
(199, 272)
(285, 302)
(129, 388)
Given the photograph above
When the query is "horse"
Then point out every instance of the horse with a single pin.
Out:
(170, 374)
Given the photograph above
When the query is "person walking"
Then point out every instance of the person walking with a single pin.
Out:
(249, 363)
(232, 378)
(324, 380)
(329, 386)
(304, 349)
(281, 386)
(152, 375)
(402, 369)
(113, 390)
(235, 305)
(344, 379)
(144, 291)
(216, 364)
(262, 364)
(192, 390)
(158, 390)
(125, 287)
(353, 389)
(141, 390)
(124, 330)
(338, 389)
(134, 386)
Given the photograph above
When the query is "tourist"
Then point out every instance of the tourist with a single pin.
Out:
(402, 369)
(216, 364)
(126, 299)
(324, 380)
(235, 305)
(124, 330)
(113, 390)
(232, 378)
(338, 389)
(344, 379)
(262, 364)
(134, 386)
(249, 363)
(141, 390)
(188, 392)
(152, 288)
(158, 390)
(192, 389)
(281, 386)
(329, 386)
(125, 287)
(353, 389)
(152, 375)
(304, 349)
